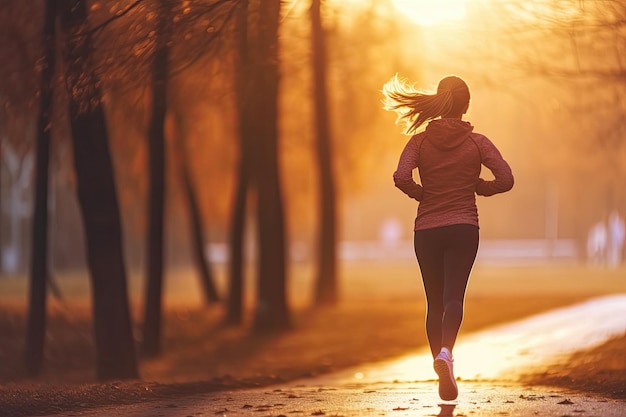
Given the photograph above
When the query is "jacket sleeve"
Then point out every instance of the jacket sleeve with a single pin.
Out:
(403, 177)
(492, 159)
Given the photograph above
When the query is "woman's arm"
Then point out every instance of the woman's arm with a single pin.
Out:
(403, 177)
(492, 159)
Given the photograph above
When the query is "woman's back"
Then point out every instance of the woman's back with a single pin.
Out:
(448, 156)
(449, 168)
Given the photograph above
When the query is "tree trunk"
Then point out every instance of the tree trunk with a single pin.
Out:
(151, 344)
(271, 310)
(36, 326)
(234, 314)
(97, 197)
(326, 280)
(197, 235)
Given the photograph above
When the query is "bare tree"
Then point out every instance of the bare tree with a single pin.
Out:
(156, 198)
(163, 69)
(326, 281)
(196, 220)
(36, 324)
(271, 312)
(198, 240)
(577, 46)
(97, 196)
(234, 313)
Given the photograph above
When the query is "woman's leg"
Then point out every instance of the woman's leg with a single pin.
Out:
(446, 256)
(461, 245)
(430, 256)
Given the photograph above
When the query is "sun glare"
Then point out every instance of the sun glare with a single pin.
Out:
(431, 12)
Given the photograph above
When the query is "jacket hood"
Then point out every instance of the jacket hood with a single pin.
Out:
(447, 134)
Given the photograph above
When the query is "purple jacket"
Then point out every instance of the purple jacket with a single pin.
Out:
(449, 155)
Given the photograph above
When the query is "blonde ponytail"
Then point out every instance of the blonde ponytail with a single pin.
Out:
(415, 107)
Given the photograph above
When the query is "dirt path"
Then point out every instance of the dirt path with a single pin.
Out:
(487, 363)
(374, 399)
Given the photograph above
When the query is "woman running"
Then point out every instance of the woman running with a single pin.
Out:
(448, 155)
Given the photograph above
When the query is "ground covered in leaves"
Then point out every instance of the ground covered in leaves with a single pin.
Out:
(201, 354)
(600, 370)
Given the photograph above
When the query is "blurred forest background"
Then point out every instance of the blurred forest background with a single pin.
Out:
(246, 138)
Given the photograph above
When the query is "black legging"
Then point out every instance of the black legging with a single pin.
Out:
(445, 256)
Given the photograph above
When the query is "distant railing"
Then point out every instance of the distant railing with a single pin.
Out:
(490, 250)
(528, 250)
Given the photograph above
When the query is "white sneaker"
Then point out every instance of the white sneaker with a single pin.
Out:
(448, 389)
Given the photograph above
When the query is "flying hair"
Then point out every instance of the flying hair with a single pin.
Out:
(415, 107)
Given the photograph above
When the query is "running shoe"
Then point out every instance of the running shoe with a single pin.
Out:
(448, 389)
